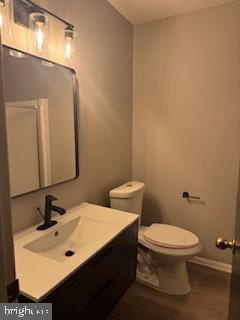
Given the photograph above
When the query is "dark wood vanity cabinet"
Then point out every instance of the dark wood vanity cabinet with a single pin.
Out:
(92, 291)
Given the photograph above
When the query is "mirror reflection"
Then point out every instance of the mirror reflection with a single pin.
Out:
(41, 122)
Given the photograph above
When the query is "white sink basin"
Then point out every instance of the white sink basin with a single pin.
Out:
(66, 240)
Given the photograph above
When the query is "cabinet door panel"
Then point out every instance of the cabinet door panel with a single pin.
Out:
(106, 301)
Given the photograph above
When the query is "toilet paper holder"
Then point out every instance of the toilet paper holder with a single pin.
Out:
(187, 195)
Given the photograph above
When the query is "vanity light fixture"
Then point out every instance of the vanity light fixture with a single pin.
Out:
(38, 20)
(69, 35)
(38, 23)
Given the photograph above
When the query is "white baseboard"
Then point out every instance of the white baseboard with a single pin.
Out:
(213, 264)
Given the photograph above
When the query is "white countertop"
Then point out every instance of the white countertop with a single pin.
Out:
(39, 275)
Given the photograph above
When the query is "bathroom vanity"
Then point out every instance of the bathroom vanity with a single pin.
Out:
(88, 283)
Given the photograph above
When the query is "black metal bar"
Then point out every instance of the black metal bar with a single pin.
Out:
(186, 195)
(51, 13)
(41, 9)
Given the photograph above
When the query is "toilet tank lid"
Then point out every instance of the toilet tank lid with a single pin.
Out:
(127, 190)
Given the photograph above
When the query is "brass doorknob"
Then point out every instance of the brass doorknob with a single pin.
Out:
(224, 244)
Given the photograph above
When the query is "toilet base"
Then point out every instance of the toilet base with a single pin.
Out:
(171, 278)
(173, 281)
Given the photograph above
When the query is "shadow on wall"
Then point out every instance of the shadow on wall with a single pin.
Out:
(153, 212)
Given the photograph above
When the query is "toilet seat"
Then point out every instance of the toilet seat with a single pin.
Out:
(169, 236)
(174, 252)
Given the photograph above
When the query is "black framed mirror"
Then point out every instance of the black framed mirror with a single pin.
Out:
(41, 100)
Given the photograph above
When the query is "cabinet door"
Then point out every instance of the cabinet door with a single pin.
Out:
(111, 295)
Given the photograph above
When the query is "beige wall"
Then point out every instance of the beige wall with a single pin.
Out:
(187, 121)
(104, 71)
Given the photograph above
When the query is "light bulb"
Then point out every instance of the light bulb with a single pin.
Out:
(40, 37)
(1, 20)
(68, 49)
(69, 35)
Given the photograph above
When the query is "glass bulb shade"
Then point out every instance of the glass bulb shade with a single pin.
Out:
(2, 11)
(69, 50)
(39, 37)
(39, 32)
(1, 18)
(5, 19)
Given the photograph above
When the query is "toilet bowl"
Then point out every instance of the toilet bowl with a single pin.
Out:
(162, 259)
(163, 250)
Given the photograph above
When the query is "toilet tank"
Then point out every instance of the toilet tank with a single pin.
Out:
(128, 197)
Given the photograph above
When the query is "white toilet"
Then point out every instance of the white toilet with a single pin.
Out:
(163, 249)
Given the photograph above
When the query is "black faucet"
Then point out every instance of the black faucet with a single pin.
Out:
(49, 207)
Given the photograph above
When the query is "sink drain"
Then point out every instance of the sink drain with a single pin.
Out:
(69, 253)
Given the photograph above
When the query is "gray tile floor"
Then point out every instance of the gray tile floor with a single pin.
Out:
(207, 301)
